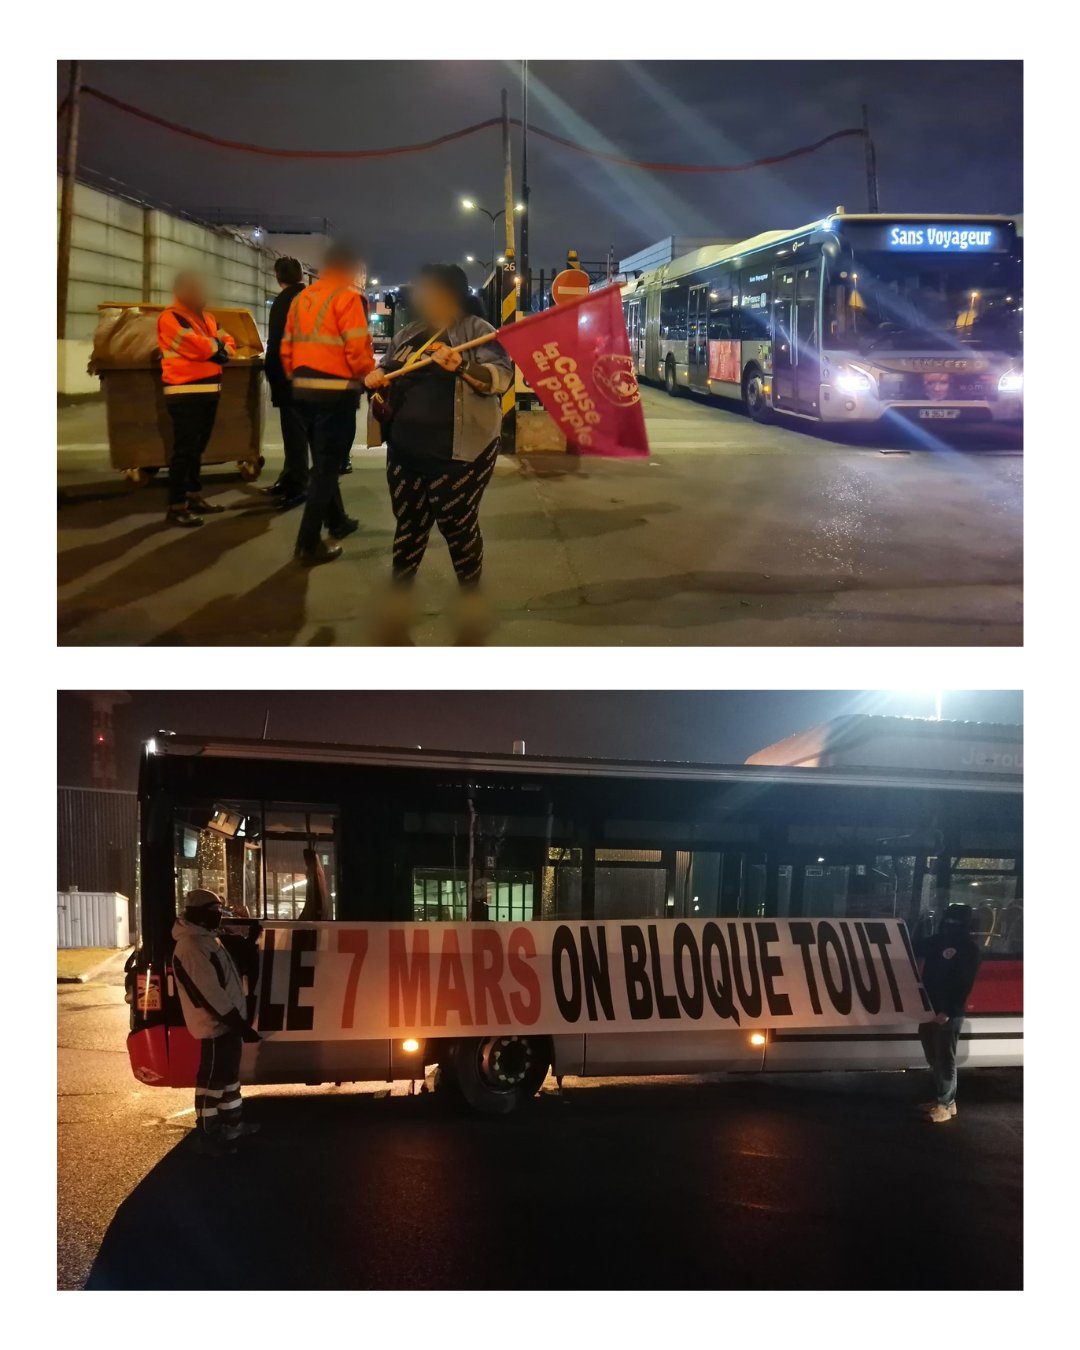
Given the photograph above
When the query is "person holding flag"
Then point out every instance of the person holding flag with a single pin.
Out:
(442, 420)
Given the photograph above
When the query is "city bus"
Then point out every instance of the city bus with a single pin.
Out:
(337, 849)
(847, 319)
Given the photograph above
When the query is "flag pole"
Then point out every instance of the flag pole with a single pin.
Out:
(483, 341)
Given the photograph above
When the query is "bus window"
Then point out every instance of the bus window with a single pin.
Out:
(630, 891)
(265, 861)
(993, 889)
(673, 303)
(483, 853)
(561, 892)
(753, 300)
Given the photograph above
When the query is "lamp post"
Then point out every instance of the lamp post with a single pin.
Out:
(468, 204)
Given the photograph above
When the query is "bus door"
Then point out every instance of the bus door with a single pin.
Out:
(807, 345)
(783, 353)
(635, 331)
(697, 337)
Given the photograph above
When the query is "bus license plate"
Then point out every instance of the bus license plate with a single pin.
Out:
(939, 412)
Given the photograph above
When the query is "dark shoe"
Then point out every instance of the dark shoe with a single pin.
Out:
(347, 468)
(321, 553)
(240, 1131)
(343, 531)
(201, 507)
(214, 1144)
(286, 503)
(182, 516)
(276, 489)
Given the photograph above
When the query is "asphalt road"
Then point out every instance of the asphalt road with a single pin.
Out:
(730, 534)
(814, 1181)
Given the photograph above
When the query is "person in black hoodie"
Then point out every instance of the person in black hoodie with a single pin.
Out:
(291, 486)
(949, 961)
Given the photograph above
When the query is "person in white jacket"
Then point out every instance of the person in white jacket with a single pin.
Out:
(215, 1012)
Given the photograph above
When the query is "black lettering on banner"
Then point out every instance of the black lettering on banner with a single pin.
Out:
(595, 973)
(870, 993)
(667, 1005)
(271, 1014)
(301, 1016)
(879, 936)
(804, 937)
(563, 945)
(839, 993)
(638, 990)
(906, 936)
(771, 967)
(718, 986)
(684, 944)
(750, 998)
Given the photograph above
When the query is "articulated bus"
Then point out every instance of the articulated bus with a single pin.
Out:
(354, 859)
(847, 319)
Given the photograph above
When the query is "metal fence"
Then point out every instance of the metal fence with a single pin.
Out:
(97, 832)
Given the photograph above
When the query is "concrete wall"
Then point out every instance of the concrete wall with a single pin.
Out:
(123, 251)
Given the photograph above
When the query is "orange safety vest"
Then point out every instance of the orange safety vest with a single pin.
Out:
(188, 341)
(326, 349)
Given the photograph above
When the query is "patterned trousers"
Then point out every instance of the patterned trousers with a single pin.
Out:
(217, 1084)
(446, 493)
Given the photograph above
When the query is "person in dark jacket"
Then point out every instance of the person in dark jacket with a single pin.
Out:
(442, 426)
(949, 960)
(291, 486)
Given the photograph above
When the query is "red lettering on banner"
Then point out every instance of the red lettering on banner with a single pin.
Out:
(353, 941)
(452, 994)
(487, 969)
(409, 980)
(520, 948)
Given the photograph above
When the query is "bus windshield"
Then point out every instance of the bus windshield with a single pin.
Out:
(880, 302)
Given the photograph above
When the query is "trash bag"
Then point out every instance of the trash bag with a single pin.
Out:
(134, 341)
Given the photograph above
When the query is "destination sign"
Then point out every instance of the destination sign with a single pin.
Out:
(945, 238)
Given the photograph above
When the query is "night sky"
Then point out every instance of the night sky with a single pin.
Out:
(704, 727)
(949, 137)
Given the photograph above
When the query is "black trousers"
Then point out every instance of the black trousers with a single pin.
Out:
(217, 1084)
(193, 422)
(295, 437)
(446, 493)
(331, 430)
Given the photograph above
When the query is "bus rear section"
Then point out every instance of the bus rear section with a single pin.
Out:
(334, 851)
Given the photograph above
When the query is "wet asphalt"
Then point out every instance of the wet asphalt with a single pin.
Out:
(818, 1181)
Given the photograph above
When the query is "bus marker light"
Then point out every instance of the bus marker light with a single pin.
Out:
(410, 1046)
(757, 1038)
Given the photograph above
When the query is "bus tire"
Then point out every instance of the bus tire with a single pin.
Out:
(671, 383)
(499, 1074)
(753, 392)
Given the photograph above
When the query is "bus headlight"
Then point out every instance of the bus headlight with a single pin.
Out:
(410, 1046)
(1012, 382)
(853, 381)
(757, 1038)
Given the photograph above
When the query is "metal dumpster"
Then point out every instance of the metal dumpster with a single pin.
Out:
(139, 429)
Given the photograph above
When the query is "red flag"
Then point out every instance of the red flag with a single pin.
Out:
(576, 359)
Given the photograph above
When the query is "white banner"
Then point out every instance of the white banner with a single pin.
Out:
(331, 981)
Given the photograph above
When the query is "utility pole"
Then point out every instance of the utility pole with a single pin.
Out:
(871, 162)
(526, 275)
(67, 197)
(508, 182)
(508, 290)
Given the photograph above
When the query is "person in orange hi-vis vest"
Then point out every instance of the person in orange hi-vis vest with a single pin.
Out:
(193, 350)
(326, 352)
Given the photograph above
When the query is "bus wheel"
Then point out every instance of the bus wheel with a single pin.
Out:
(500, 1074)
(670, 383)
(753, 391)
